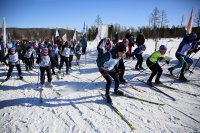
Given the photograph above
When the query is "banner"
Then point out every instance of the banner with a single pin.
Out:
(188, 27)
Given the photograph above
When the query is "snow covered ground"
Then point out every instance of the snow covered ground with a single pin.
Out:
(81, 107)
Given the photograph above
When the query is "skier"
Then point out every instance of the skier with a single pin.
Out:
(53, 58)
(2, 50)
(28, 57)
(78, 52)
(115, 39)
(181, 54)
(140, 39)
(107, 64)
(71, 53)
(44, 61)
(121, 67)
(13, 60)
(138, 54)
(65, 53)
(83, 41)
(131, 40)
(152, 63)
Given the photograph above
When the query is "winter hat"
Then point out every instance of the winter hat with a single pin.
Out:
(142, 46)
(121, 48)
(45, 50)
(125, 40)
(162, 47)
(12, 49)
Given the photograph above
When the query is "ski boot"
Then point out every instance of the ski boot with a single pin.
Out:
(118, 92)
(50, 84)
(21, 78)
(108, 98)
(171, 70)
(182, 77)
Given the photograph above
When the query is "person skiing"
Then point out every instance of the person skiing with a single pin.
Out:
(83, 41)
(2, 51)
(78, 52)
(121, 67)
(115, 39)
(140, 39)
(13, 60)
(53, 57)
(28, 57)
(182, 55)
(71, 53)
(138, 54)
(131, 40)
(65, 53)
(44, 61)
(152, 63)
(107, 64)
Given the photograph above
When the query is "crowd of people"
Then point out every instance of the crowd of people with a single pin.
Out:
(48, 55)
(111, 54)
(110, 59)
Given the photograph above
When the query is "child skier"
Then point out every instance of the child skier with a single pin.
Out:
(44, 62)
(78, 52)
(53, 57)
(13, 60)
(152, 63)
(107, 64)
(71, 53)
(65, 53)
(28, 57)
(181, 54)
(138, 54)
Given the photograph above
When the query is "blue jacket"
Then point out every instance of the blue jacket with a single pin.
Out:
(105, 57)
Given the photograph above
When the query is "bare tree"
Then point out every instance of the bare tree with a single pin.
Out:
(98, 20)
(197, 19)
(155, 18)
(164, 20)
(182, 20)
(155, 21)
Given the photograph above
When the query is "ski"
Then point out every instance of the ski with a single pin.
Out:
(55, 91)
(1, 84)
(185, 82)
(133, 87)
(175, 89)
(142, 100)
(119, 113)
(41, 96)
(157, 89)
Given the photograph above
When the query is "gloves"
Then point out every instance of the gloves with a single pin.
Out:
(103, 71)
(160, 58)
(196, 50)
(167, 61)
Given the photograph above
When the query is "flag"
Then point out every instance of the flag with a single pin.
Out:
(74, 36)
(4, 31)
(188, 27)
(52, 39)
(57, 34)
(84, 29)
(64, 38)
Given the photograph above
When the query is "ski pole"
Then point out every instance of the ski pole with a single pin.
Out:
(38, 77)
(92, 81)
(176, 77)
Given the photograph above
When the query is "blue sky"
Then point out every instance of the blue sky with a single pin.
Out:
(73, 13)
